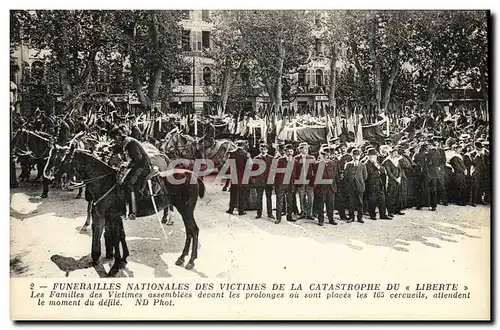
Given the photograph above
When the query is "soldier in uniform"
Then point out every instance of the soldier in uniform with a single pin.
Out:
(304, 171)
(139, 165)
(324, 193)
(261, 182)
(355, 176)
(375, 186)
(284, 185)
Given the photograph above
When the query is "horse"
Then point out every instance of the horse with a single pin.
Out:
(182, 146)
(52, 171)
(32, 147)
(108, 208)
(59, 168)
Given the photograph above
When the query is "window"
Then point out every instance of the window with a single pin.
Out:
(302, 77)
(317, 47)
(185, 40)
(205, 15)
(205, 38)
(196, 40)
(207, 76)
(319, 77)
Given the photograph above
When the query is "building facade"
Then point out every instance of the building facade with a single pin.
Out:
(191, 89)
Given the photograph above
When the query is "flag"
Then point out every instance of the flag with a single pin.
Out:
(295, 130)
(330, 131)
(358, 137)
(350, 122)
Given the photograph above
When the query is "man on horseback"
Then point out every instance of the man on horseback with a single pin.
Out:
(139, 165)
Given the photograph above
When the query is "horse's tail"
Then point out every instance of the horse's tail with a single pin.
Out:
(201, 187)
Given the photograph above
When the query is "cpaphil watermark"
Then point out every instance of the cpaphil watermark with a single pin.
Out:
(278, 171)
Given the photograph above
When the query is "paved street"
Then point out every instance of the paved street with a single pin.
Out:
(46, 242)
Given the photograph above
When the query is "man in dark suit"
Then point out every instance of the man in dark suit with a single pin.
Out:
(261, 181)
(374, 186)
(342, 198)
(305, 176)
(238, 194)
(433, 160)
(324, 193)
(479, 169)
(441, 185)
(457, 163)
(355, 175)
(283, 183)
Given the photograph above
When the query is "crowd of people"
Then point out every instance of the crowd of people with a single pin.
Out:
(434, 160)
(419, 170)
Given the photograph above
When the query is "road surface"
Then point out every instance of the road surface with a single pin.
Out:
(46, 242)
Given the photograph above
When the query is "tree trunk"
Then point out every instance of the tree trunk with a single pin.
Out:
(157, 70)
(225, 85)
(279, 78)
(431, 92)
(270, 91)
(333, 78)
(376, 66)
(484, 91)
(390, 83)
(66, 85)
(135, 70)
(154, 86)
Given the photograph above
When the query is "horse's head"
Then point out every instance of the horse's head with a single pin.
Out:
(53, 167)
(20, 142)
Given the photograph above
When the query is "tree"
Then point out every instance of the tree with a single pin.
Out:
(271, 44)
(152, 41)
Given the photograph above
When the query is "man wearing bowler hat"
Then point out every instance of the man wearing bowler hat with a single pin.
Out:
(305, 180)
(261, 181)
(375, 186)
(283, 183)
(355, 176)
(324, 193)
(238, 194)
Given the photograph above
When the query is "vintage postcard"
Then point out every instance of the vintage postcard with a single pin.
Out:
(250, 165)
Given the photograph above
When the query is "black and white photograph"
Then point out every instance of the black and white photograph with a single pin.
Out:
(250, 164)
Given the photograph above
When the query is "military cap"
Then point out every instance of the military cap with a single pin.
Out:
(350, 149)
(356, 151)
(342, 144)
(371, 152)
(303, 144)
(264, 145)
(478, 144)
(288, 147)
